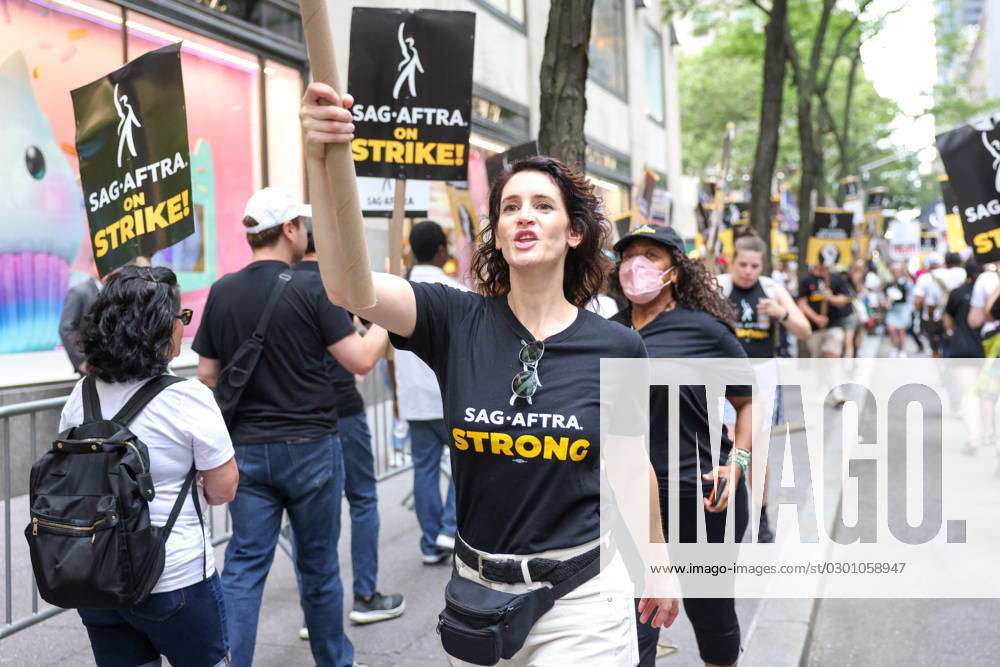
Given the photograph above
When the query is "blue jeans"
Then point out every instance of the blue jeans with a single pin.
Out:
(427, 438)
(359, 487)
(187, 625)
(306, 480)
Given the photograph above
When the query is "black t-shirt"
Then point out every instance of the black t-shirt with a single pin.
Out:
(965, 341)
(345, 390)
(526, 476)
(811, 288)
(754, 331)
(288, 397)
(683, 333)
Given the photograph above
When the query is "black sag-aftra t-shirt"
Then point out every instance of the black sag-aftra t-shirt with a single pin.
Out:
(965, 341)
(288, 397)
(684, 333)
(754, 331)
(526, 476)
(811, 287)
(345, 390)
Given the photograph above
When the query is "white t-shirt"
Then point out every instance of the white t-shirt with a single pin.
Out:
(982, 290)
(418, 395)
(929, 287)
(181, 425)
(603, 305)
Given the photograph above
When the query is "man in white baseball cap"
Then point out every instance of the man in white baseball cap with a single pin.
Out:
(284, 424)
(271, 207)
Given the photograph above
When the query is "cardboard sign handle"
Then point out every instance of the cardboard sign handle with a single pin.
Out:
(396, 228)
(339, 229)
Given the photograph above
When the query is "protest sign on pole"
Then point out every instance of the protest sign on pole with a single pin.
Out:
(377, 197)
(410, 72)
(131, 137)
(830, 242)
(850, 194)
(874, 215)
(496, 164)
(971, 156)
(904, 241)
(337, 224)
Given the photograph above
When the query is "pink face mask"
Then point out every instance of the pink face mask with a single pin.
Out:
(641, 280)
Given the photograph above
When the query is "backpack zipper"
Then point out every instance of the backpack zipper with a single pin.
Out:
(36, 522)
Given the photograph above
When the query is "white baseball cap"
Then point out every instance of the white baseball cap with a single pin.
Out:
(271, 207)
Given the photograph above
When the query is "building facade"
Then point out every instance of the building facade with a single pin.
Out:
(245, 67)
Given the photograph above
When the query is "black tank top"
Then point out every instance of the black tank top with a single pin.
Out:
(755, 331)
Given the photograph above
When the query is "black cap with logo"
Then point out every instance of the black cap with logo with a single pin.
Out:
(663, 235)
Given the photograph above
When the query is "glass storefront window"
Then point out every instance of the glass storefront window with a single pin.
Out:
(654, 74)
(46, 50)
(283, 92)
(607, 45)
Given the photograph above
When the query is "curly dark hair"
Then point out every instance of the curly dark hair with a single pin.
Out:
(586, 266)
(695, 287)
(126, 335)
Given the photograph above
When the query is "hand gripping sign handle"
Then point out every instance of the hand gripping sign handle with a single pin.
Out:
(337, 226)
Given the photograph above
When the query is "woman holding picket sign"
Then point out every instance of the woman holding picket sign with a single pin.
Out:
(519, 367)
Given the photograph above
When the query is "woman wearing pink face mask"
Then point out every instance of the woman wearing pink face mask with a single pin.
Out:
(676, 308)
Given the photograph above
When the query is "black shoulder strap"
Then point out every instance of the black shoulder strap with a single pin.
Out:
(260, 332)
(175, 511)
(91, 401)
(179, 503)
(142, 397)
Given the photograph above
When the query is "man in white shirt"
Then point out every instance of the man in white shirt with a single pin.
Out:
(418, 397)
(930, 294)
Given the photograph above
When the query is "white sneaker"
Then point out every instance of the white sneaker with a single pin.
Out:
(445, 542)
(434, 558)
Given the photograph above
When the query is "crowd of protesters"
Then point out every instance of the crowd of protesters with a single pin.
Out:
(548, 300)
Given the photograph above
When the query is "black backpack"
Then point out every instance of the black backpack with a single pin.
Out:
(91, 540)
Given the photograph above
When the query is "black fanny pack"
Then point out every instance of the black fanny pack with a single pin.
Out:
(481, 625)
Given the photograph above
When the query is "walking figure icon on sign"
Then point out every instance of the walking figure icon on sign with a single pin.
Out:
(125, 125)
(408, 66)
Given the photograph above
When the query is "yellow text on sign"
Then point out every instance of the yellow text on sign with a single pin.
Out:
(408, 152)
(986, 242)
(141, 220)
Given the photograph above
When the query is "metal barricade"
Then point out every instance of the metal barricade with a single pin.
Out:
(389, 461)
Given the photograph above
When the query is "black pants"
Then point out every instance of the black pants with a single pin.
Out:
(716, 627)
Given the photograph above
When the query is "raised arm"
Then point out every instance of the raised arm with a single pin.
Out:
(326, 120)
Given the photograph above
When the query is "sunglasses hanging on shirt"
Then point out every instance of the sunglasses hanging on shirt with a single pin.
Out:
(526, 383)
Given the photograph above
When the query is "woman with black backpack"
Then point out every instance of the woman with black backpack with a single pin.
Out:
(132, 333)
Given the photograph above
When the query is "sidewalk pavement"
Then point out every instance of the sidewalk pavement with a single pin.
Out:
(408, 641)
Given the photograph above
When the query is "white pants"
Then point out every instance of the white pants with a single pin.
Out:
(593, 624)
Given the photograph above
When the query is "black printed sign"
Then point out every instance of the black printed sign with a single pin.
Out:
(830, 243)
(971, 156)
(131, 137)
(410, 72)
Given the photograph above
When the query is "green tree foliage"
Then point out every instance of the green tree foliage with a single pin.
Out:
(722, 83)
